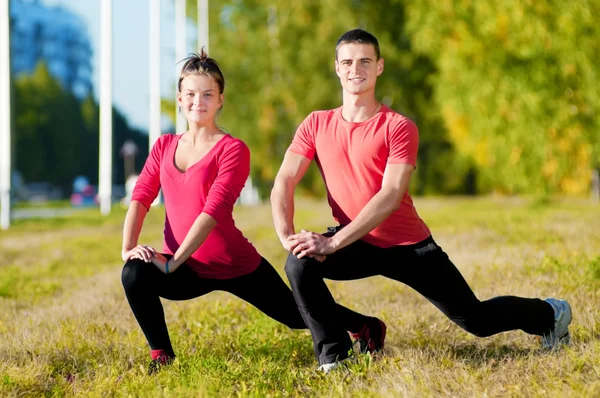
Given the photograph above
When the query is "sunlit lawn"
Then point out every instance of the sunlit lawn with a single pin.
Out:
(66, 329)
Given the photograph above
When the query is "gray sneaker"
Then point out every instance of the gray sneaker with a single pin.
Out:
(329, 367)
(562, 318)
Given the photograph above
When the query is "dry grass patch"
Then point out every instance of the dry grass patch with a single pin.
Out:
(66, 329)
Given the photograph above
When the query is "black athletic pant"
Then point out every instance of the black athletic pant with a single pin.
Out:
(424, 267)
(144, 284)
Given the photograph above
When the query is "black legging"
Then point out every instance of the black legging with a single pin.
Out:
(424, 267)
(144, 284)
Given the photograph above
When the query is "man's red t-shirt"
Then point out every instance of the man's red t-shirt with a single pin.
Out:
(352, 158)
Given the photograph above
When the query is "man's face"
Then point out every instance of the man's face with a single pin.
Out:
(357, 67)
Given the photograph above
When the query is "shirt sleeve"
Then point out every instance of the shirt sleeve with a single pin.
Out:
(147, 185)
(304, 139)
(404, 143)
(233, 171)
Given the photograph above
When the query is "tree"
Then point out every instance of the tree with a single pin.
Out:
(49, 129)
(504, 94)
(56, 134)
(517, 87)
(278, 60)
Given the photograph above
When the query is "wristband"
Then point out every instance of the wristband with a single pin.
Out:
(167, 267)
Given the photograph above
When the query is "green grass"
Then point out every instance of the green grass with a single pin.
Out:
(66, 328)
(48, 204)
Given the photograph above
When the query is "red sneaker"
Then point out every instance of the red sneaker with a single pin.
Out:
(372, 336)
(161, 359)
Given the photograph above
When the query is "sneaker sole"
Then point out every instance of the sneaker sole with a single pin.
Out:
(565, 339)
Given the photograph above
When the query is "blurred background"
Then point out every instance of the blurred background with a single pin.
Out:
(505, 94)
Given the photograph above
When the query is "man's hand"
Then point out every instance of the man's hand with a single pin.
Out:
(289, 245)
(310, 244)
(142, 252)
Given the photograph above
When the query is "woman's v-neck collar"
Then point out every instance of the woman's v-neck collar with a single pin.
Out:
(179, 175)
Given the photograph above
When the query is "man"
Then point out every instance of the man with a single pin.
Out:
(366, 154)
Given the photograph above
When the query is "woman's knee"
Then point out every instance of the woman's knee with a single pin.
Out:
(133, 271)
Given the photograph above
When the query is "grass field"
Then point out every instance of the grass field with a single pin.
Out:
(66, 328)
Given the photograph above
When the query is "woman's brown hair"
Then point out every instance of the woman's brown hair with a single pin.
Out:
(199, 64)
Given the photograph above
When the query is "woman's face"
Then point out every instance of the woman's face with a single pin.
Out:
(199, 98)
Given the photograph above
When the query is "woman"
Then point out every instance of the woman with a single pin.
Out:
(201, 173)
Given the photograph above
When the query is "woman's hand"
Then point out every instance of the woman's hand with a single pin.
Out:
(147, 254)
(160, 262)
(142, 252)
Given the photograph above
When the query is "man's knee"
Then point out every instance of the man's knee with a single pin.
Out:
(475, 322)
(296, 267)
(477, 329)
(133, 272)
(296, 323)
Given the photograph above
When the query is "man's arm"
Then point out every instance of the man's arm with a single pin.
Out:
(290, 173)
(393, 187)
(395, 183)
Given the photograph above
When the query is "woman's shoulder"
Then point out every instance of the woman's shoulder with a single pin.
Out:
(164, 141)
(231, 143)
(232, 149)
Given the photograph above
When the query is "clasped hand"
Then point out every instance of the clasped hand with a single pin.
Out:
(145, 253)
(310, 244)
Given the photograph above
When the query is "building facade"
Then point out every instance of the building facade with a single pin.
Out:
(55, 36)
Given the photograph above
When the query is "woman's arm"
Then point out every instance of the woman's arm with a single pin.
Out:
(193, 240)
(145, 191)
(232, 173)
(131, 233)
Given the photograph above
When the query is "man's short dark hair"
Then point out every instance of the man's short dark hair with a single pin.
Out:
(358, 36)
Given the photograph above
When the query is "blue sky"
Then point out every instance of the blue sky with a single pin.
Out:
(130, 51)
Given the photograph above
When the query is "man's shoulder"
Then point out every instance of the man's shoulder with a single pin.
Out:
(396, 118)
(324, 114)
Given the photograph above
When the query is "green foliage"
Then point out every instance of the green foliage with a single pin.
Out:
(56, 134)
(278, 61)
(505, 94)
(50, 132)
(517, 87)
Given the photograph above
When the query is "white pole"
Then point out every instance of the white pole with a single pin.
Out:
(203, 25)
(154, 129)
(105, 173)
(5, 127)
(180, 53)
(154, 126)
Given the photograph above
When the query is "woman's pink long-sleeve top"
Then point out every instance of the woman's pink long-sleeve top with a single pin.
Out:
(211, 186)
